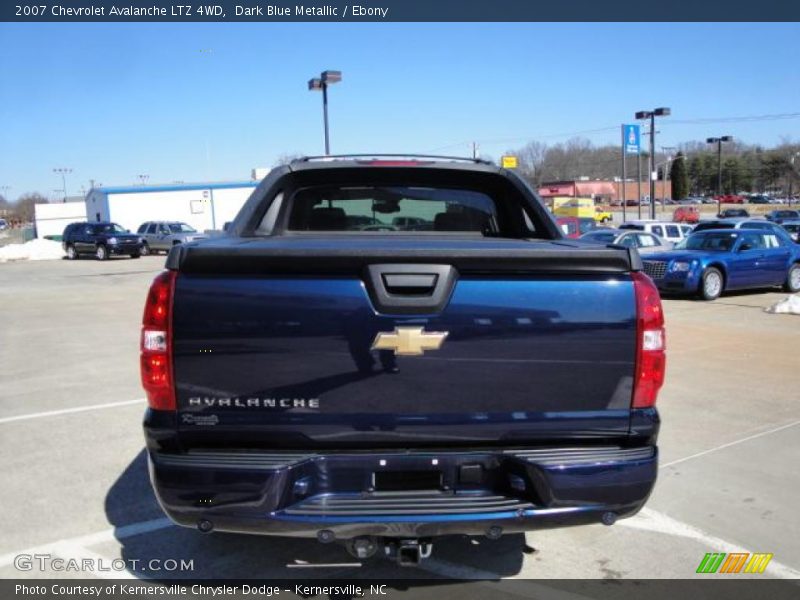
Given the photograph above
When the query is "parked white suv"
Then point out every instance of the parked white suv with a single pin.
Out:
(666, 230)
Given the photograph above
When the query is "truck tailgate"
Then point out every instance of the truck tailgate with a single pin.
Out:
(283, 350)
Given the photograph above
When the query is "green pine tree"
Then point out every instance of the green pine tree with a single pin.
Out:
(680, 178)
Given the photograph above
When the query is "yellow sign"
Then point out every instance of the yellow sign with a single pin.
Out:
(409, 341)
(509, 162)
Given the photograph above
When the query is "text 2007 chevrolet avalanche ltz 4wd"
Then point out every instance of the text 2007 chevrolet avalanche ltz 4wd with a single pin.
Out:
(382, 351)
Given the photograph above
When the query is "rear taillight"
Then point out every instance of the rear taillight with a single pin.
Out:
(156, 343)
(651, 343)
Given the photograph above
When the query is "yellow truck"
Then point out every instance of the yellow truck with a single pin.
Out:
(583, 208)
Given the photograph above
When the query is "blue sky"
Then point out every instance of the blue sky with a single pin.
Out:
(195, 102)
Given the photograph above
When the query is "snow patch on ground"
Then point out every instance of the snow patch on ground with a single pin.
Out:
(789, 306)
(33, 250)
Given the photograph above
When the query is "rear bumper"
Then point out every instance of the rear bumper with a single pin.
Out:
(302, 494)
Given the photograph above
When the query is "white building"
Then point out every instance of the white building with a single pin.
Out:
(51, 219)
(204, 206)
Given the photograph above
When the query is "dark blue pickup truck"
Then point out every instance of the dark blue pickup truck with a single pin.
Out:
(381, 351)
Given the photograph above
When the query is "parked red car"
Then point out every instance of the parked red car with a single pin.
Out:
(730, 199)
(575, 227)
(569, 226)
(686, 214)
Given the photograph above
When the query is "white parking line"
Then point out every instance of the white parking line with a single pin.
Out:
(107, 535)
(66, 411)
(651, 520)
(729, 444)
(70, 551)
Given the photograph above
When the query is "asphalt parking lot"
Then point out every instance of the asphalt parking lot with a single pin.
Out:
(75, 476)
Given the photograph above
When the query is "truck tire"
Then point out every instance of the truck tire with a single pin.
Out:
(711, 284)
(72, 254)
(792, 284)
(145, 249)
(101, 253)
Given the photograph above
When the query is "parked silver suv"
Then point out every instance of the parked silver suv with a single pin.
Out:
(158, 236)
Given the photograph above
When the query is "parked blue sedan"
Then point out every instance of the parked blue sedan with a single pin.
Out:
(712, 261)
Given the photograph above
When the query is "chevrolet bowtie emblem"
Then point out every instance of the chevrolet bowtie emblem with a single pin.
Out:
(409, 341)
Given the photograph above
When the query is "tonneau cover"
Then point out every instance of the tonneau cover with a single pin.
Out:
(343, 253)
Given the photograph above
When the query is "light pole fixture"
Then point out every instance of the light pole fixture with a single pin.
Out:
(143, 178)
(63, 172)
(652, 114)
(322, 82)
(718, 141)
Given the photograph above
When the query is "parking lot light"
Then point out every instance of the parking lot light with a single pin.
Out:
(652, 114)
(322, 82)
(718, 141)
(63, 172)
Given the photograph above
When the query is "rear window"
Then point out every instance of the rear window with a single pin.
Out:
(601, 237)
(388, 209)
(705, 226)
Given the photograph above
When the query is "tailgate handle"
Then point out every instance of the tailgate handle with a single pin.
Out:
(409, 289)
(410, 284)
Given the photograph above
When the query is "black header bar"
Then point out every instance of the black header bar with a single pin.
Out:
(187, 11)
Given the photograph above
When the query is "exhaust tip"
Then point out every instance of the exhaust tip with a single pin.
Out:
(205, 526)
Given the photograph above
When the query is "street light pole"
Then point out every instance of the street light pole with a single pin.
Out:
(792, 174)
(325, 117)
(322, 82)
(63, 172)
(652, 114)
(639, 182)
(718, 141)
(668, 150)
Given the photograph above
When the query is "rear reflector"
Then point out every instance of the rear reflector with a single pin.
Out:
(651, 358)
(156, 342)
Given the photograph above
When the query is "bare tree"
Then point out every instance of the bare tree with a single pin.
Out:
(531, 159)
(23, 208)
(285, 159)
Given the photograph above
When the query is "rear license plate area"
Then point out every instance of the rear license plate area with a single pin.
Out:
(403, 481)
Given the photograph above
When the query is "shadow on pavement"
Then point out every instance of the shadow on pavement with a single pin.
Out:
(131, 500)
